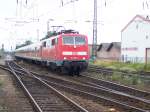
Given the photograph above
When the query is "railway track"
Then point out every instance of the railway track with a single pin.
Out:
(43, 97)
(141, 99)
(114, 86)
(124, 97)
(103, 94)
(19, 102)
(103, 70)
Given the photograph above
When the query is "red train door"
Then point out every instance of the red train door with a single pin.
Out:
(43, 50)
(40, 53)
(54, 49)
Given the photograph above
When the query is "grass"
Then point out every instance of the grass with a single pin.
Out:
(147, 67)
(132, 80)
(125, 79)
(122, 66)
(0, 83)
(116, 76)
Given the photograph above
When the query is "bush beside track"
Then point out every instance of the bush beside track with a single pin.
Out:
(132, 67)
(111, 71)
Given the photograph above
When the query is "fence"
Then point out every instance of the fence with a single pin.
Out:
(126, 59)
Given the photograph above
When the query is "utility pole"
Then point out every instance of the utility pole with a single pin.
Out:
(48, 24)
(68, 2)
(2, 47)
(94, 46)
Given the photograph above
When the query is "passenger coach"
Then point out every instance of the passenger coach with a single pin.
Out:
(66, 50)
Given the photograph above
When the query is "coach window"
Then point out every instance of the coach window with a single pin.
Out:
(44, 44)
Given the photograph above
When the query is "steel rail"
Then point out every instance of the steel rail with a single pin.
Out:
(98, 90)
(116, 86)
(75, 105)
(60, 81)
(98, 98)
(63, 96)
(32, 100)
(131, 107)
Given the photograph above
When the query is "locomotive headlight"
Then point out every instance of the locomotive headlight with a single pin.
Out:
(66, 53)
(83, 58)
(65, 58)
(82, 53)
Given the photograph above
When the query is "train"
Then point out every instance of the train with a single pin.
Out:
(66, 51)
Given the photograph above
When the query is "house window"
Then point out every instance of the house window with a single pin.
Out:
(137, 26)
(146, 36)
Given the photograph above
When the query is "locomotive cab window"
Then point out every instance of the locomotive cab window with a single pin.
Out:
(73, 40)
(79, 41)
(68, 40)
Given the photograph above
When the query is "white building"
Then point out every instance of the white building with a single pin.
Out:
(135, 40)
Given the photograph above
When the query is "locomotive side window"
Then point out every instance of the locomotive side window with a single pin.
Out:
(79, 41)
(44, 44)
(35, 48)
(48, 43)
(54, 42)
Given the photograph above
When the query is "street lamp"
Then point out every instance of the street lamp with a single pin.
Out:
(48, 21)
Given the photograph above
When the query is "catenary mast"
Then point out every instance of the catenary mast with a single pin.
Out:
(94, 46)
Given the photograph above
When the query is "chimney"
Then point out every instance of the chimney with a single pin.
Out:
(147, 17)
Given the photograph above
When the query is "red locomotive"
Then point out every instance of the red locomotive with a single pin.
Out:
(66, 50)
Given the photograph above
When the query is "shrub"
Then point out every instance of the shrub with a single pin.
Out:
(123, 66)
(138, 66)
(147, 67)
(132, 80)
(112, 67)
(116, 76)
(127, 69)
(0, 83)
(135, 79)
(127, 80)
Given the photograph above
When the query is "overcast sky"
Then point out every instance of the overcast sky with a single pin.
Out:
(21, 21)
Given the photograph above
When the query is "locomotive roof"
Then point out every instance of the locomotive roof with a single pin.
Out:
(55, 36)
(55, 33)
